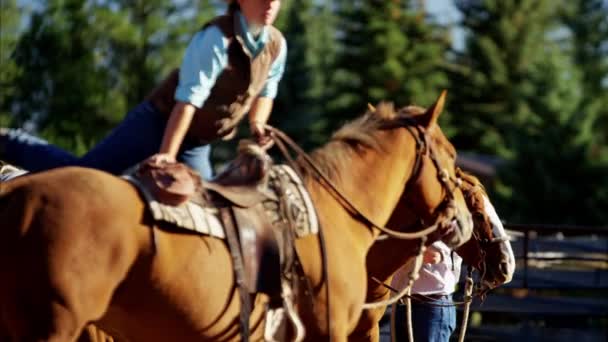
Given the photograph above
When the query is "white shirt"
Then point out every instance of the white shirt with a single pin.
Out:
(440, 278)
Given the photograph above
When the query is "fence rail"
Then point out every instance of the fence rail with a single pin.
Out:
(543, 230)
(512, 315)
(548, 229)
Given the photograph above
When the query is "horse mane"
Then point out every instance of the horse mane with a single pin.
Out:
(473, 181)
(471, 187)
(360, 133)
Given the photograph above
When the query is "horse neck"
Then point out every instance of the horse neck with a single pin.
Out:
(372, 180)
(386, 257)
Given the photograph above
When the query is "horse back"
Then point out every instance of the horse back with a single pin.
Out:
(56, 227)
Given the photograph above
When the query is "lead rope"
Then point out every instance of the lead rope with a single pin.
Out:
(468, 299)
(413, 275)
(408, 315)
(393, 324)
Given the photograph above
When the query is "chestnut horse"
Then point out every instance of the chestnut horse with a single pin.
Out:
(78, 245)
(488, 251)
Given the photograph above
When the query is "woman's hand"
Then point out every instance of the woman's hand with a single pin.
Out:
(261, 135)
(162, 158)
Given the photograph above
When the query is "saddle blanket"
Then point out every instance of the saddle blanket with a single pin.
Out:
(283, 182)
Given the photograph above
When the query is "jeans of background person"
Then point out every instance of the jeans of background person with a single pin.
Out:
(430, 323)
(136, 138)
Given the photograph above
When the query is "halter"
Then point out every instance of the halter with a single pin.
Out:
(484, 243)
(426, 149)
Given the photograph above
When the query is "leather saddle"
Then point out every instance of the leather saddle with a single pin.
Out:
(242, 189)
(244, 181)
(170, 183)
(244, 185)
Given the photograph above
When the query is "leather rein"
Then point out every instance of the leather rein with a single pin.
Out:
(423, 148)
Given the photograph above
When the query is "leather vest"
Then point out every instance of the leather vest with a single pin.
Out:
(234, 90)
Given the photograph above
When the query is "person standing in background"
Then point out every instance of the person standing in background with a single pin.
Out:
(433, 312)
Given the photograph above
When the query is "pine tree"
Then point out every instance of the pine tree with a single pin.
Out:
(523, 102)
(387, 51)
(9, 34)
(588, 22)
(59, 77)
(491, 89)
(308, 27)
(87, 63)
(145, 39)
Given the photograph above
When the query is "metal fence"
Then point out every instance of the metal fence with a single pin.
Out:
(584, 249)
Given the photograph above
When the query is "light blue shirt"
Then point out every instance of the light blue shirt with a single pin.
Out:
(207, 56)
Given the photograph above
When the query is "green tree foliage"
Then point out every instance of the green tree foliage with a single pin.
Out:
(588, 22)
(144, 39)
(60, 88)
(522, 102)
(308, 27)
(9, 33)
(86, 63)
(386, 51)
(492, 88)
(530, 85)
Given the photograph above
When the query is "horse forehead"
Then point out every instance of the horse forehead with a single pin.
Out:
(439, 139)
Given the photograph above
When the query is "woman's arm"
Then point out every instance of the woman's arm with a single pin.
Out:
(204, 60)
(258, 117)
(177, 127)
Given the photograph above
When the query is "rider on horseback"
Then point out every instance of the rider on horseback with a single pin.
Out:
(231, 67)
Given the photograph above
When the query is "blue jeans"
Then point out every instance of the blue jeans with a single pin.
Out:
(429, 323)
(137, 137)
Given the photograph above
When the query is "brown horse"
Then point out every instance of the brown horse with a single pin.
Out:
(77, 245)
(488, 251)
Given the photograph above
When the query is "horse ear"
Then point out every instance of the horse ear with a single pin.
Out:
(432, 113)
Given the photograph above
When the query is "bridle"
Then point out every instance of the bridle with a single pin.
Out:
(423, 149)
(484, 243)
(447, 205)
